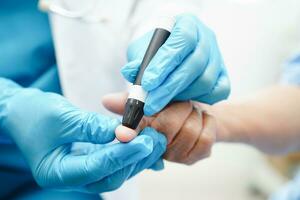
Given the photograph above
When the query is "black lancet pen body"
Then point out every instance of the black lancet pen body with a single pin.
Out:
(134, 108)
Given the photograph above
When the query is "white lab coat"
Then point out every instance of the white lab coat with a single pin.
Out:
(90, 56)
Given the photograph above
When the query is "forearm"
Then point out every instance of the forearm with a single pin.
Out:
(269, 121)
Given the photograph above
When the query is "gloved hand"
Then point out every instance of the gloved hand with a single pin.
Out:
(44, 126)
(189, 66)
(190, 130)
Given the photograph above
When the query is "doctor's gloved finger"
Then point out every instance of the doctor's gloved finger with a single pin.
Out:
(181, 43)
(205, 82)
(115, 102)
(111, 182)
(205, 62)
(159, 147)
(158, 165)
(85, 169)
(220, 92)
(94, 128)
(130, 70)
(116, 180)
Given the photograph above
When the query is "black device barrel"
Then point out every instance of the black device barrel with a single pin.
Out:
(158, 39)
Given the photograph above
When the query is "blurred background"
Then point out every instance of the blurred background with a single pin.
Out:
(256, 37)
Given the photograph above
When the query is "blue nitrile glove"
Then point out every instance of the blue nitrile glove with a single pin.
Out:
(44, 126)
(189, 66)
(290, 191)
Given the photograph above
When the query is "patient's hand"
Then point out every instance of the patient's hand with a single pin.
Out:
(190, 130)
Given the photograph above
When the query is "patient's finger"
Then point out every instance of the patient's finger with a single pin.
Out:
(115, 102)
(186, 139)
(170, 120)
(124, 134)
(202, 148)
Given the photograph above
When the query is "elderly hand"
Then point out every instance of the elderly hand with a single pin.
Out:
(190, 130)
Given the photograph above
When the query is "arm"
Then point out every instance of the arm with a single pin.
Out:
(270, 120)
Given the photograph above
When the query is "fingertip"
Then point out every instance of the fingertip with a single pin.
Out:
(128, 75)
(115, 102)
(125, 134)
(158, 166)
(157, 136)
(112, 96)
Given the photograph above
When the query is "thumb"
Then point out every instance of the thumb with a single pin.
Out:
(63, 169)
(115, 102)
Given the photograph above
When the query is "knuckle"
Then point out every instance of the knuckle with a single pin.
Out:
(172, 157)
(189, 36)
(189, 127)
(187, 30)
